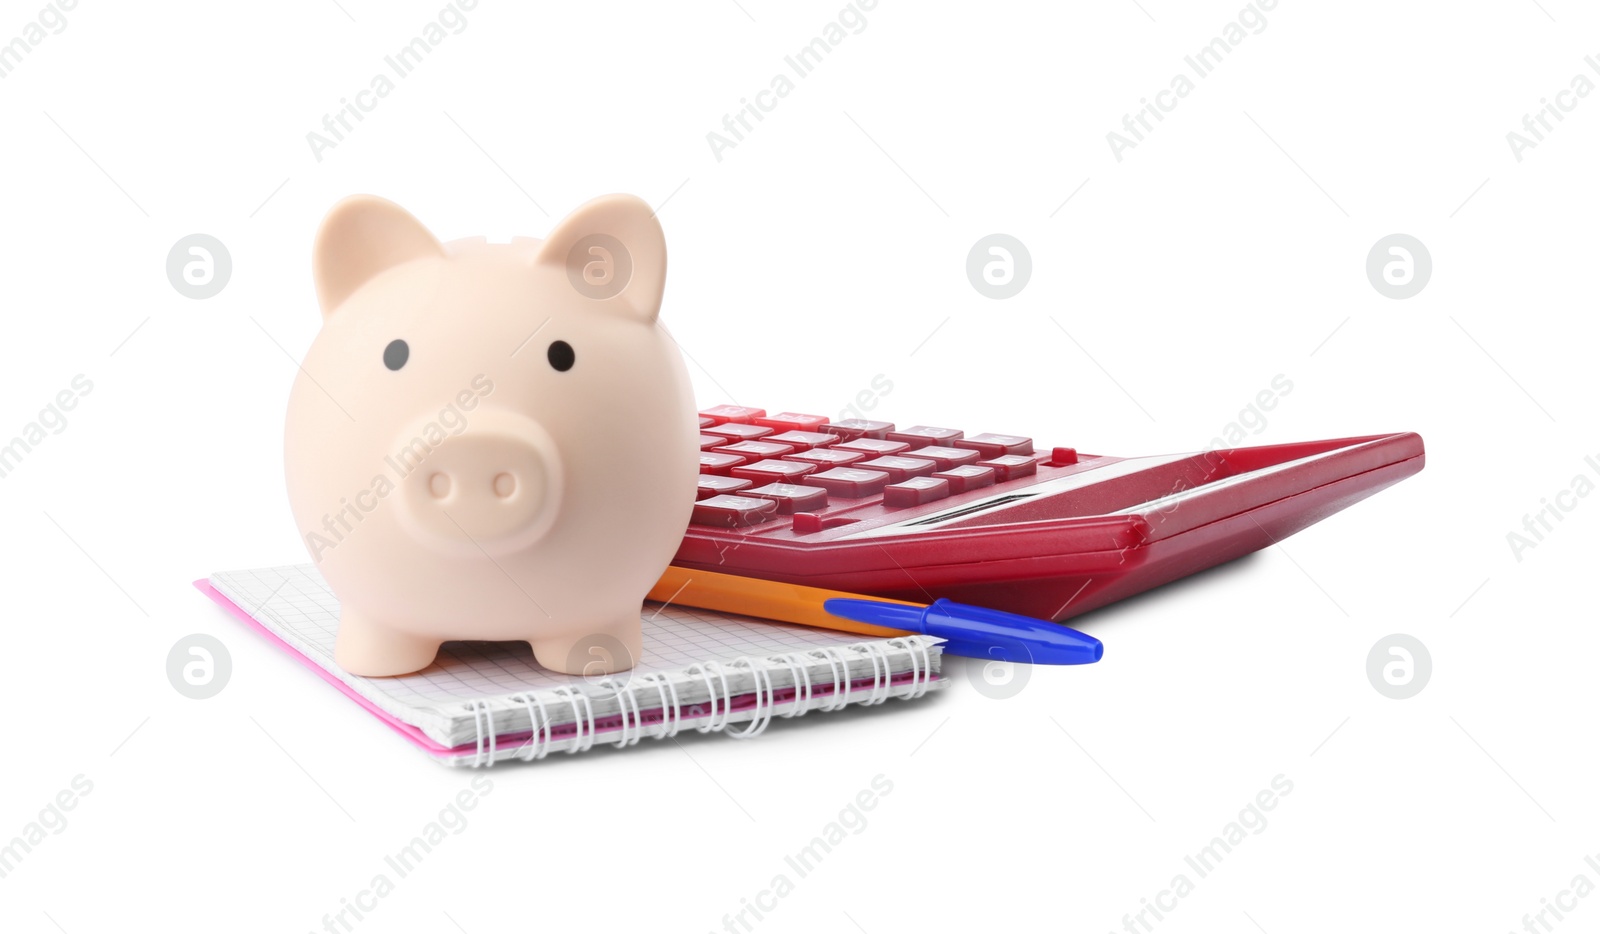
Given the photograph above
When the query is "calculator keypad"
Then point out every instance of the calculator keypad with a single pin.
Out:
(772, 471)
(922, 435)
(852, 428)
(991, 445)
(967, 478)
(792, 497)
(737, 431)
(849, 481)
(827, 457)
(899, 468)
(915, 491)
(733, 511)
(756, 467)
(712, 485)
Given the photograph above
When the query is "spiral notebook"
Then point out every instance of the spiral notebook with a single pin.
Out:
(483, 702)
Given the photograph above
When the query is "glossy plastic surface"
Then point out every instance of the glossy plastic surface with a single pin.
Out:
(1047, 535)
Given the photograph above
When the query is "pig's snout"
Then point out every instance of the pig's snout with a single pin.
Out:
(495, 486)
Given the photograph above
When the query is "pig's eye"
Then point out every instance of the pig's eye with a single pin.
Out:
(561, 356)
(396, 354)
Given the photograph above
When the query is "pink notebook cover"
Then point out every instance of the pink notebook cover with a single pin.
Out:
(404, 729)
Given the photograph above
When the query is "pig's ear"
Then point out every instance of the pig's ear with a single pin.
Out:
(362, 236)
(613, 252)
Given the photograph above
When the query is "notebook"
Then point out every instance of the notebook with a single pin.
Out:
(483, 702)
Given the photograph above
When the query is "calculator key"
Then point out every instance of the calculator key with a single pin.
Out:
(900, 468)
(915, 491)
(803, 440)
(712, 462)
(791, 421)
(1063, 457)
(1011, 466)
(852, 428)
(706, 422)
(849, 481)
(713, 485)
(873, 446)
(707, 442)
(966, 478)
(756, 450)
(992, 445)
(828, 457)
(733, 511)
(792, 497)
(739, 431)
(730, 413)
(946, 458)
(922, 435)
(773, 471)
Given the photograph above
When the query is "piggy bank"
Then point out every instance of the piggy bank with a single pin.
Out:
(491, 441)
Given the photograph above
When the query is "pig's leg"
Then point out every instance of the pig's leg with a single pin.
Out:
(614, 643)
(373, 650)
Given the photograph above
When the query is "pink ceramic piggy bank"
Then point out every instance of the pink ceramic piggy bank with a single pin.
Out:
(491, 441)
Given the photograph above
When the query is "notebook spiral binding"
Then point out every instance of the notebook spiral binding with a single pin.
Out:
(661, 691)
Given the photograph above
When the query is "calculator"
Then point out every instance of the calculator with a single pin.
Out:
(923, 511)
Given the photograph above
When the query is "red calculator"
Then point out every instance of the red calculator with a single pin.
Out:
(923, 511)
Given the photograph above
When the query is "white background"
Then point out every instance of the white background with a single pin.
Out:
(1226, 249)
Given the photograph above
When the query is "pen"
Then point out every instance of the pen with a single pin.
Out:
(976, 632)
(970, 631)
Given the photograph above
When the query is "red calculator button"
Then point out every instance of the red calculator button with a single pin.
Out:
(852, 428)
(1063, 457)
(849, 481)
(792, 497)
(731, 511)
(922, 435)
(915, 491)
(710, 441)
(803, 440)
(739, 431)
(791, 421)
(712, 462)
(967, 478)
(713, 485)
(756, 450)
(706, 422)
(900, 468)
(773, 471)
(730, 413)
(828, 457)
(873, 446)
(948, 457)
(992, 445)
(1011, 466)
